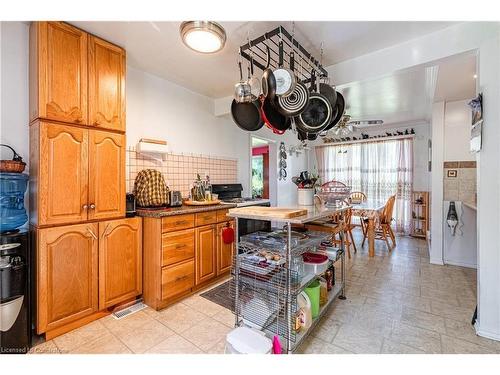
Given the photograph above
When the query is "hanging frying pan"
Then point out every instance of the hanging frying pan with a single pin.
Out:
(318, 113)
(247, 115)
(268, 80)
(295, 103)
(339, 108)
(329, 92)
(272, 118)
(285, 79)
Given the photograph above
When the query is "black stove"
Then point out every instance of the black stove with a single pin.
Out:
(231, 193)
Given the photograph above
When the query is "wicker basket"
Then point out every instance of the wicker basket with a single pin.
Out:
(16, 165)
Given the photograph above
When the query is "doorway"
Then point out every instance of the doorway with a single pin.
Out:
(260, 168)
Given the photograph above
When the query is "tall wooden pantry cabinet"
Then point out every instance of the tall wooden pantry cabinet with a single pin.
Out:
(88, 255)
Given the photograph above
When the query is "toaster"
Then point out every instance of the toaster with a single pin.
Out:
(175, 198)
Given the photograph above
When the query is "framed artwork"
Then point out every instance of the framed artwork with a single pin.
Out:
(476, 105)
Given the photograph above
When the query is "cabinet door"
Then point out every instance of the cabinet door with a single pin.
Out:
(206, 248)
(66, 275)
(60, 55)
(120, 261)
(224, 251)
(106, 85)
(106, 175)
(63, 174)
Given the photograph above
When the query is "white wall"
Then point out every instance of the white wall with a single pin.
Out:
(14, 89)
(457, 126)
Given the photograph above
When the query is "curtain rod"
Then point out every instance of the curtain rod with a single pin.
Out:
(370, 140)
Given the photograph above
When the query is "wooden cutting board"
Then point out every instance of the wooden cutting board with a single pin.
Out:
(278, 212)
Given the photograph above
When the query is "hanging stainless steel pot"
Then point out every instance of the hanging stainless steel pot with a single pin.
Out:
(242, 89)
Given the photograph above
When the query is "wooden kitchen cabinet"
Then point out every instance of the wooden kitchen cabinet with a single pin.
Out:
(106, 175)
(106, 85)
(77, 174)
(206, 250)
(67, 266)
(58, 72)
(120, 261)
(177, 246)
(225, 252)
(60, 159)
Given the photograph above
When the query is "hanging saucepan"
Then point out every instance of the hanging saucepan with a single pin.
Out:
(272, 118)
(285, 79)
(253, 81)
(339, 109)
(242, 90)
(268, 79)
(295, 103)
(318, 113)
(247, 115)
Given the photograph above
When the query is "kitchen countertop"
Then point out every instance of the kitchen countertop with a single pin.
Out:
(172, 211)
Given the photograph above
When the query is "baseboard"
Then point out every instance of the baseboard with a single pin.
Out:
(486, 334)
(436, 261)
(460, 264)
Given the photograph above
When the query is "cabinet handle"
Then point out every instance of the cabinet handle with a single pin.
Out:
(92, 234)
(97, 122)
(180, 222)
(177, 247)
(180, 278)
(92, 206)
(85, 206)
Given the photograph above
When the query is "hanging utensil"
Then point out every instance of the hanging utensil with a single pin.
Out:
(242, 90)
(268, 80)
(272, 118)
(339, 111)
(285, 78)
(318, 113)
(295, 103)
(247, 115)
(253, 81)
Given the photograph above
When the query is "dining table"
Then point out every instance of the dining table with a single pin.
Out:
(369, 210)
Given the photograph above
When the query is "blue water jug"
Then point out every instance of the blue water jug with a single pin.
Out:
(12, 210)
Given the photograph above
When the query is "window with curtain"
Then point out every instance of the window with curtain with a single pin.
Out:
(379, 169)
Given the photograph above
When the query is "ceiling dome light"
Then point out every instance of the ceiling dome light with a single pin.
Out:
(203, 36)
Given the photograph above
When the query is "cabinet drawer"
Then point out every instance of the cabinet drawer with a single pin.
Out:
(177, 222)
(177, 246)
(205, 218)
(177, 279)
(221, 215)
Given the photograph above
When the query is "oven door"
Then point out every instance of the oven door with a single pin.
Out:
(247, 226)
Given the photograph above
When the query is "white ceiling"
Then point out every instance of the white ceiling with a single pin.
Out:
(155, 47)
(405, 97)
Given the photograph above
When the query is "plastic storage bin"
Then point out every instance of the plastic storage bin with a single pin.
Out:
(12, 210)
(244, 340)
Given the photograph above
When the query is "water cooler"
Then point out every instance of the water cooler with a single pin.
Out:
(15, 301)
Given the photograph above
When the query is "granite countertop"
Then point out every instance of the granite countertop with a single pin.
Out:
(172, 211)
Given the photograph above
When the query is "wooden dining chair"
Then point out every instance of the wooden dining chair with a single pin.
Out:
(334, 226)
(358, 196)
(383, 229)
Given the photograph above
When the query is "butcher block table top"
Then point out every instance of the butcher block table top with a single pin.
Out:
(294, 215)
(172, 211)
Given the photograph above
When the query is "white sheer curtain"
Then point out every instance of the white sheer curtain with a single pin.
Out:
(379, 169)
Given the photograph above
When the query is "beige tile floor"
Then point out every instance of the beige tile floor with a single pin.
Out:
(396, 303)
